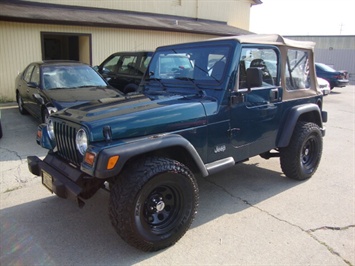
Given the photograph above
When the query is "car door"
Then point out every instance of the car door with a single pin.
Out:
(35, 98)
(23, 85)
(254, 112)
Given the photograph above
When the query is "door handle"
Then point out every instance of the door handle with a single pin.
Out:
(274, 95)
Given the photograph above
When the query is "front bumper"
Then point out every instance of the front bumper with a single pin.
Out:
(61, 178)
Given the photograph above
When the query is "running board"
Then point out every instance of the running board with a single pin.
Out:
(219, 165)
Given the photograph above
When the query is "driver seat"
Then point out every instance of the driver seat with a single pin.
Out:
(259, 63)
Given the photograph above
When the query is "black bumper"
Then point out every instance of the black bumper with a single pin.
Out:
(66, 181)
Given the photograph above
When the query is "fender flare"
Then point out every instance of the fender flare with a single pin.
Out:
(292, 118)
(142, 146)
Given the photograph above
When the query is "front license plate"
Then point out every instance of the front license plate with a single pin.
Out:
(47, 180)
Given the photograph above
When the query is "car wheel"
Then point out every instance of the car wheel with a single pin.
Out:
(45, 115)
(21, 109)
(301, 158)
(0, 130)
(153, 203)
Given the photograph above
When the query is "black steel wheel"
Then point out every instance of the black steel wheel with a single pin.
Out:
(153, 203)
(301, 158)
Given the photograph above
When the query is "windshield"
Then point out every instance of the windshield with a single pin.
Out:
(201, 64)
(70, 76)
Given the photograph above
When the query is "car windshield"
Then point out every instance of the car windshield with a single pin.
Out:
(200, 64)
(325, 67)
(73, 76)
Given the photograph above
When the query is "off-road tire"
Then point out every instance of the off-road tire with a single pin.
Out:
(300, 159)
(153, 203)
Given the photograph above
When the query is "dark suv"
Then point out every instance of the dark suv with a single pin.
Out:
(124, 70)
(205, 107)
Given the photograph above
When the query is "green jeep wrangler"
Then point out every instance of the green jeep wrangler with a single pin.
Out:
(203, 107)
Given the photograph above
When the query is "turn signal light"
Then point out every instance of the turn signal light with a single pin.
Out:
(89, 158)
(39, 134)
(112, 162)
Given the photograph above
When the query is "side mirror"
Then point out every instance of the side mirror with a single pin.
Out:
(254, 77)
(38, 98)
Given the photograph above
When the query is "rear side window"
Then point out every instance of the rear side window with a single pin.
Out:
(28, 73)
(265, 59)
(297, 70)
(35, 75)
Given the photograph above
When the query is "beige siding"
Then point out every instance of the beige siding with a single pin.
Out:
(234, 12)
(329, 42)
(20, 44)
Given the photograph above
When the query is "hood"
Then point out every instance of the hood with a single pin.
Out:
(140, 115)
(63, 98)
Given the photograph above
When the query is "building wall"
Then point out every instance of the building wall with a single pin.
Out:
(235, 12)
(20, 44)
(337, 52)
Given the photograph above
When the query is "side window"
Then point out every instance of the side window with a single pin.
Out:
(263, 58)
(128, 65)
(35, 75)
(28, 73)
(297, 70)
(112, 64)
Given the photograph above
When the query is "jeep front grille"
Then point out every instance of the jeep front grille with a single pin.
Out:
(65, 138)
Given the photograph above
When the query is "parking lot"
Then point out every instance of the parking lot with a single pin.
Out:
(248, 215)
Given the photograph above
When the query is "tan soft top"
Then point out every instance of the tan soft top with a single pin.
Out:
(273, 39)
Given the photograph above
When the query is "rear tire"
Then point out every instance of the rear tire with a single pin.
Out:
(301, 158)
(153, 203)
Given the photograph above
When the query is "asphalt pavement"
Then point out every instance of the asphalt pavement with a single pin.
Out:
(250, 214)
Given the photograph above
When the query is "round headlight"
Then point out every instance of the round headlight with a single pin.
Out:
(50, 129)
(81, 141)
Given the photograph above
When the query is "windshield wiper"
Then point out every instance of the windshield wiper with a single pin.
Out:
(60, 88)
(87, 86)
(151, 73)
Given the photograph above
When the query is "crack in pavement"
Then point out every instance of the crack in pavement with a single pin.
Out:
(335, 228)
(308, 232)
(13, 152)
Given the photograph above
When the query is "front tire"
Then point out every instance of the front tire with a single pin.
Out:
(153, 203)
(21, 109)
(301, 158)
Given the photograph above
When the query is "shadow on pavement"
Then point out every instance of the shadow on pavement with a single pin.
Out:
(53, 231)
